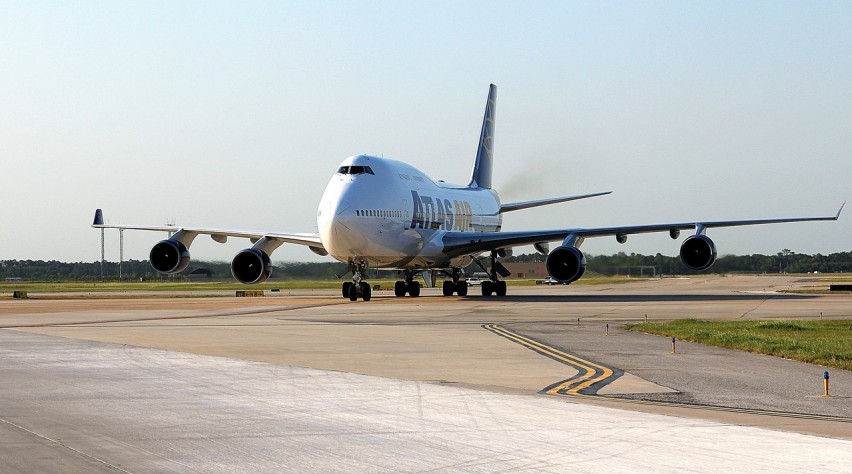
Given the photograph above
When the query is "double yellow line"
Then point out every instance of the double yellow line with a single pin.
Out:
(588, 373)
(591, 373)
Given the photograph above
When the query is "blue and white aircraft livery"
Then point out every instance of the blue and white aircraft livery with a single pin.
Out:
(380, 213)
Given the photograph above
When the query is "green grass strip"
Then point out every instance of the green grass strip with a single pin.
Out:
(827, 343)
(230, 285)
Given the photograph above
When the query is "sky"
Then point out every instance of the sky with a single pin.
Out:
(236, 114)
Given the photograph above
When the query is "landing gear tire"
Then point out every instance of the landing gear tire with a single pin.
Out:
(414, 289)
(366, 291)
(449, 288)
(461, 288)
(486, 287)
(399, 289)
(500, 288)
(353, 292)
(346, 286)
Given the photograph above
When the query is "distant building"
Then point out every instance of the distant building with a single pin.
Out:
(14, 279)
(200, 274)
(527, 270)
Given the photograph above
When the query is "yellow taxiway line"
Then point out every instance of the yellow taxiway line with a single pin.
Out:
(589, 373)
(592, 376)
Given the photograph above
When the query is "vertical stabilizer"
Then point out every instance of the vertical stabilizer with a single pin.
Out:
(481, 177)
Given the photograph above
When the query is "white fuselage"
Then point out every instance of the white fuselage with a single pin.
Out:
(388, 214)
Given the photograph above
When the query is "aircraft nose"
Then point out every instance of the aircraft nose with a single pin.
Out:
(336, 221)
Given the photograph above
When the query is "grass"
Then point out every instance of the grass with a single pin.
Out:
(75, 287)
(130, 286)
(815, 292)
(827, 343)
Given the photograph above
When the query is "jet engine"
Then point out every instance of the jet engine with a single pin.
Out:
(251, 266)
(169, 256)
(698, 252)
(566, 264)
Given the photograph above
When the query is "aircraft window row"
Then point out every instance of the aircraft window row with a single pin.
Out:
(355, 170)
(378, 213)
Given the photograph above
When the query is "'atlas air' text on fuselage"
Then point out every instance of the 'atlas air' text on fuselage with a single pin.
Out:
(438, 213)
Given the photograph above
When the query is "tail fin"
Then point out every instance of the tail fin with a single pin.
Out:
(481, 177)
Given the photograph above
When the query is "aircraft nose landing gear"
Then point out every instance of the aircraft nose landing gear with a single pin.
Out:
(357, 288)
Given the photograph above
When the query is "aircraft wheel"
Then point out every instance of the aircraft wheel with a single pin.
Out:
(461, 288)
(346, 286)
(449, 287)
(353, 292)
(399, 288)
(414, 289)
(500, 288)
(486, 287)
(366, 291)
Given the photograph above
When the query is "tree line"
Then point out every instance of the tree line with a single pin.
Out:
(621, 263)
(785, 261)
(137, 270)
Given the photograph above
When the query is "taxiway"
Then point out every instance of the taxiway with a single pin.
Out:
(310, 381)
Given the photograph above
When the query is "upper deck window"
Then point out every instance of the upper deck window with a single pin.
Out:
(355, 170)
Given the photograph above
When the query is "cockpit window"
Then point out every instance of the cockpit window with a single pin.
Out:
(355, 170)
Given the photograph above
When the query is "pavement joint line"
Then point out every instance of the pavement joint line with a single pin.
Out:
(274, 309)
(60, 443)
(579, 385)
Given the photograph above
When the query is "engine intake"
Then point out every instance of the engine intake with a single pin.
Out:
(251, 266)
(698, 252)
(566, 264)
(169, 256)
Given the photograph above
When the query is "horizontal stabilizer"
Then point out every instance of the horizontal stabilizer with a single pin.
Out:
(543, 202)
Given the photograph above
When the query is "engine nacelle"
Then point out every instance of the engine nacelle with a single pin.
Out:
(169, 256)
(566, 264)
(251, 266)
(698, 252)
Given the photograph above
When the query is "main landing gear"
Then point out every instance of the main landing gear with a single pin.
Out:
(457, 285)
(493, 285)
(497, 287)
(357, 288)
(410, 285)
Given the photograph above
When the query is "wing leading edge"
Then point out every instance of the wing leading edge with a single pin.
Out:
(515, 206)
(221, 235)
(461, 243)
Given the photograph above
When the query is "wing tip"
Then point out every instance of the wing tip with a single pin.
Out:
(837, 216)
(99, 218)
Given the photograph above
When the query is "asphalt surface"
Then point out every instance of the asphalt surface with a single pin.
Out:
(703, 375)
(81, 406)
(311, 382)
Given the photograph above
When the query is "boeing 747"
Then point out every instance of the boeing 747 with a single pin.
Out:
(386, 214)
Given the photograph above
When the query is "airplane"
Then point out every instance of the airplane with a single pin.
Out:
(384, 214)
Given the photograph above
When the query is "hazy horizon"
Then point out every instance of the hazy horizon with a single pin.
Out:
(236, 115)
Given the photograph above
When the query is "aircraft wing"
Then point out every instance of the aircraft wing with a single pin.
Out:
(514, 206)
(221, 235)
(461, 243)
